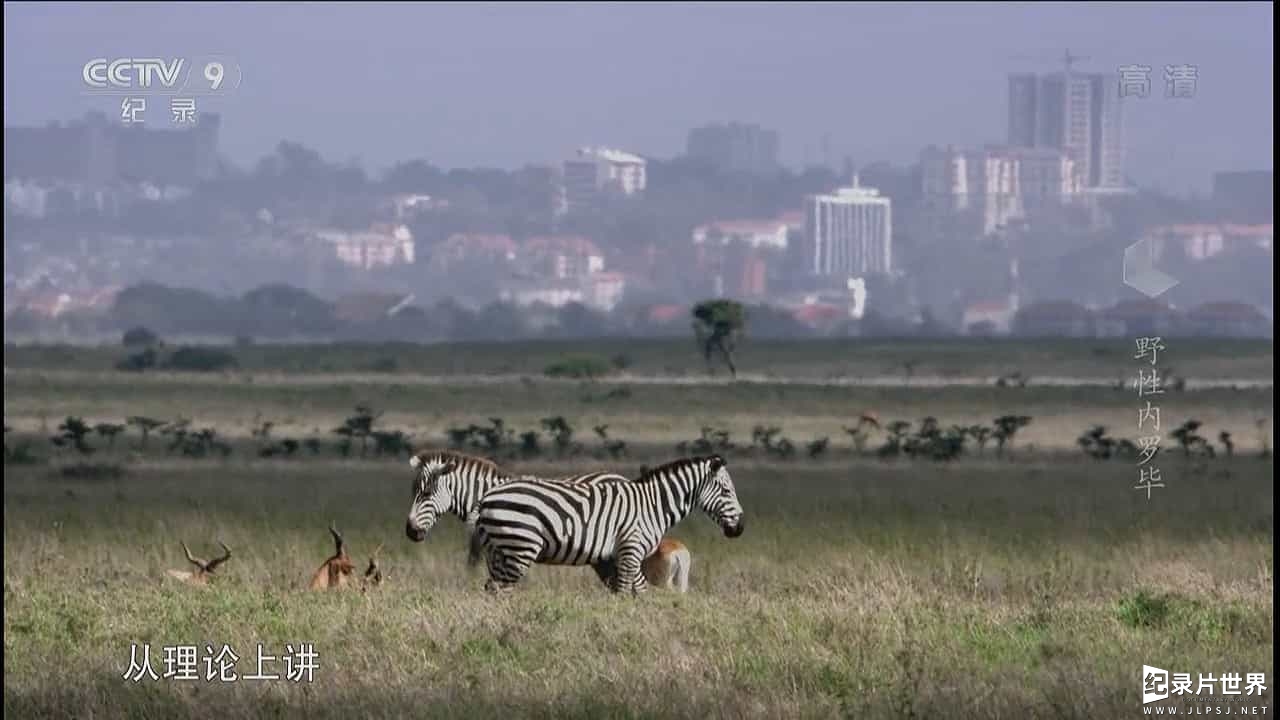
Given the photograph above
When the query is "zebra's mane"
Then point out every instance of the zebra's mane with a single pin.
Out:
(654, 472)
(462, 459)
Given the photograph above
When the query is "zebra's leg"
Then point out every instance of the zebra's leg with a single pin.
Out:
(629, 576)
(498, 577)
(507, 567)
(493, 585)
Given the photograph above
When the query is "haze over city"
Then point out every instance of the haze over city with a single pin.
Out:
(471, 85)
(844, 169)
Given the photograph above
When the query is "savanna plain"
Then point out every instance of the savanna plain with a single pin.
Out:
(957, 566)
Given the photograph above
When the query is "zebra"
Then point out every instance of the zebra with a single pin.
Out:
(452, 482)
(616, 524)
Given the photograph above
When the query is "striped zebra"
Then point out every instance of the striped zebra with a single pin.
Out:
(452, 482)
(618, 524)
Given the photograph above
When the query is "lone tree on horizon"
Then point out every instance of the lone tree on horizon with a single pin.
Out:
(718, 324)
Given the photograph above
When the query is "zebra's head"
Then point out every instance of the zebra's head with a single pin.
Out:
(430, 496)
(719, 499)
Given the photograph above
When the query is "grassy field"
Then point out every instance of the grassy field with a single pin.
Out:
(984, 590)
(654, 415)
(837, 358)
(1034, 585)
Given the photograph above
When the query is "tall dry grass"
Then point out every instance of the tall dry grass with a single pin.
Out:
(982, 589)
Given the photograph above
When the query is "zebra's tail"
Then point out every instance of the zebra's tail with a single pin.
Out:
(475, 550)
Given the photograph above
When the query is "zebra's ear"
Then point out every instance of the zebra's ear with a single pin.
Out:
(415, 461)
(717, 462)
(449, 467)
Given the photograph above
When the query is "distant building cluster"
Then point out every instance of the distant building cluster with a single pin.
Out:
(827, 261)
(551, 270)
(1064, 147)
(997, 185)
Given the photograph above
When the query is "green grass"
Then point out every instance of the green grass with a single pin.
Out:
(990, 589)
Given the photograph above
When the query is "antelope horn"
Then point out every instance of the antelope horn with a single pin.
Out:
(193, 560)
(337, 539)
(218, 561)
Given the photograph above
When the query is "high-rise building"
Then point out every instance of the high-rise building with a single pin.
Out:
(1024, 93)
(1077, 113)
(983, 183)
(848, 233)
(594, 170)
(735, 147)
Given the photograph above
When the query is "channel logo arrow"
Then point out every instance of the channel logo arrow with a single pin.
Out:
(1140, 271)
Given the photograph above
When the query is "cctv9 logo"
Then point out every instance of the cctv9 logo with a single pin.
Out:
(201, 75)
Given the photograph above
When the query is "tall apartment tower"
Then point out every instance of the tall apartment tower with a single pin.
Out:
(1077, 113)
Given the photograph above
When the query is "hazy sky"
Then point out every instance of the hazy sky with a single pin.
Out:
(505, 84)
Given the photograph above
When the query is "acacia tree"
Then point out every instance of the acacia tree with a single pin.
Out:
(718, 325)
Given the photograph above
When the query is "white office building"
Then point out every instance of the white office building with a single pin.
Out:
(848, 233)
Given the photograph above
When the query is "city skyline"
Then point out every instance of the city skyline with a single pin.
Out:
(516, 97)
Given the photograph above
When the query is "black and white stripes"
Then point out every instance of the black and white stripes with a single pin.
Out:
(454, 483)
(617, 523)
